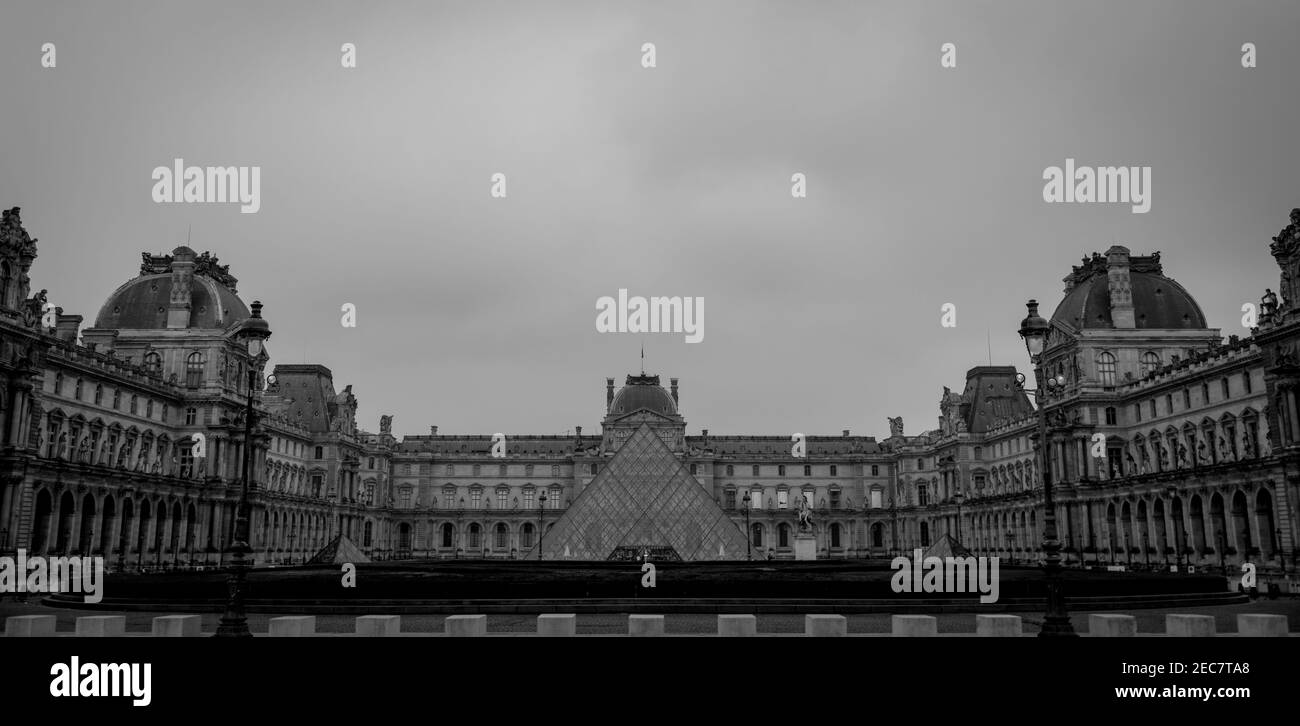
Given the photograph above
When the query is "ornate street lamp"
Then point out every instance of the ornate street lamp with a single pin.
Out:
(541, 531)
(1057, 621)
(749, 544)
(234, 624)
(958, 497)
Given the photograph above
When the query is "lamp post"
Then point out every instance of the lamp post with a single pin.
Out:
(958, 497)
(749, 543)
(1057, 621)
(541, 532)
(1223, 545)
(234, 624)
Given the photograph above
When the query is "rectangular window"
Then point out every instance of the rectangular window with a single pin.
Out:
(1112, 416)
(807, 470)
(1153, 407)
(317, 482)
(554, 499)
(756, 470)
(528, 499)
(1226, 393)
(979, 482)
(1137, 412)
(405, 497)
(475, 499)
(875, 470)
(1245, 381)
(877, 499)
(780, 470)
(835, 499)
(922, 498)
(191, 416)
(782, 499)
(979, 453)
(1187, 398)
(502, 497)
(1169, 403)
(834, 469)
(730, 500)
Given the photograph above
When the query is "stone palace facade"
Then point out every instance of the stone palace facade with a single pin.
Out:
(1197, 461)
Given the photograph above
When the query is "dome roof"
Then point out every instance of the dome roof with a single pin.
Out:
(1158, 301)
(142, 303)
(642, 392)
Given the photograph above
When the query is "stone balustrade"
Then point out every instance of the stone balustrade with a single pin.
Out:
(1104, 625)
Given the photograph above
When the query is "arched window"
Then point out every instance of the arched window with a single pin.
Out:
(877, 535)
(448, 532)
(6, 280)
(194, 370)
(1149, 362)
(526, 536)
(117, 399)
(783, 535)
(76, 393)
(835, 535)
(99, 395)
(475, 537)
(1106, 369)
(135, 404)
(925, 534)
(502, 536)
(152, 362)
(757, 534)
(365, 542)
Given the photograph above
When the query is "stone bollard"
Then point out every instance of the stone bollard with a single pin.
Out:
(1110, 625)
(293, 626)
(178, 626)
(1257, 625)
(464, 626)
(101, 626)
(29, 626)
(554, 625)
(913, 626)
(379, 626)
(998, 626)
(825, 626)
(645, 625)
(1189, 626)
(737, 625)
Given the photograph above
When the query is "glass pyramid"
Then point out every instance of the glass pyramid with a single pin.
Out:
(643, 497)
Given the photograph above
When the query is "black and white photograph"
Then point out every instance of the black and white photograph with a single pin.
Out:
(372, 338)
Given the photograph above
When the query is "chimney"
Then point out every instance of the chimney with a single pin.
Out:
(609, 394)
(673, 389)
(1121, 288)
(433, 430)
(67, 326)
(846, 433)
(178, 310)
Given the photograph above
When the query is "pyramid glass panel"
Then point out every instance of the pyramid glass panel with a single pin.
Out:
(643, 497)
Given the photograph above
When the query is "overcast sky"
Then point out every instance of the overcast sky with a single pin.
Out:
(478, 314)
